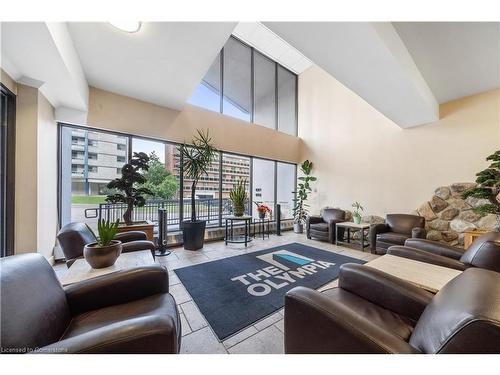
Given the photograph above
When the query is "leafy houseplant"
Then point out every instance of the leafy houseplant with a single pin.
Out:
(129, 185)
(239, 197)
(356, 215)
(262, 209)
(488, 187)
(300, 210)
(196, 159)
(105, 251)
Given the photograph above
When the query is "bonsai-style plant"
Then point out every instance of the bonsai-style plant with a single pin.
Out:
(131, 193)
(239, 197)
(262, 209)
(356, 215)
(300, 208)
(488, 187)
(196, 159)
(106, 250)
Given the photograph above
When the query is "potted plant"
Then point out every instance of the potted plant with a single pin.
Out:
(196, 160)
(239, 197)
(129, 185)
(356, 215)
(488, 188)
(262, 209)
(105, 251)
(300, 210)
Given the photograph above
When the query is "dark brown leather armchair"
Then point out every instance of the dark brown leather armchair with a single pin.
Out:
(323, 227)
(129, 311)
(373, 312)
(74, 236)
(483, 253)
(396, 230)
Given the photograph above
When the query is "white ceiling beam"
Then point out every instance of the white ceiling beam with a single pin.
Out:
(371, 60)
(44, 53)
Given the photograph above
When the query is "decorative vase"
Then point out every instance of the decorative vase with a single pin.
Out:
(356, 219)
(102, 257)
(298, 228)
(262, 215)
(239, 209)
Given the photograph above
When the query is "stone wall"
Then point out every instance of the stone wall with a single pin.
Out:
(447, 215)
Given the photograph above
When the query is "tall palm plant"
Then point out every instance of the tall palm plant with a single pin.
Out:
(196, 160)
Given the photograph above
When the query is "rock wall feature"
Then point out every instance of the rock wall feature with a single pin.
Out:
(448, 216)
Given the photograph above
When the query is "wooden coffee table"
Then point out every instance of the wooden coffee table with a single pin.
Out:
(424, 275)
(80, 270)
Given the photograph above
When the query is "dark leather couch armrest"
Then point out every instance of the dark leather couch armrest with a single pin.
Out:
(148, 334)
(374, 230)
(314, 324)
(418, 232)
(117, 288)
(135, 235)
(314, 220)
(128, 247)
(424, 256)
(384, 290)
(434, 247)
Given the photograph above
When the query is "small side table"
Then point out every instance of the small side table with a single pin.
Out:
(229, 230)
(263, 226)
(471, 235)
(354, 227)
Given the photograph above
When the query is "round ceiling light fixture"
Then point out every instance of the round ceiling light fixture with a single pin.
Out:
(127, 26)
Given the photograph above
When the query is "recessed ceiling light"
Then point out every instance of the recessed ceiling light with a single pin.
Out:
(127, 26)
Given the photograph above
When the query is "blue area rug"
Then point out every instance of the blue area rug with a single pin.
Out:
(233, 293)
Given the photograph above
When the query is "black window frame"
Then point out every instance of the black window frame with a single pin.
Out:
(7, 163)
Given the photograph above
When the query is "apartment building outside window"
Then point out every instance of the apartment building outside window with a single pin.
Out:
(83, 178)
(245, 84)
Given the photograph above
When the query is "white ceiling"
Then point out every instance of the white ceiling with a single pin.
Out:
(161, 64)
(265, 41)
(456, 59)
(371, 60)
(41, 54)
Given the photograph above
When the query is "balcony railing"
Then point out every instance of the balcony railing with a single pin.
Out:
(206, 209)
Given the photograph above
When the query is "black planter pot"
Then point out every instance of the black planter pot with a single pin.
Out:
(193, 234)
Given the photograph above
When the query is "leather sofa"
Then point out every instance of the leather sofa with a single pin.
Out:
(128, 311)
(323, 227)
(74, 236)
(373, 312)
(396, 230)
(484, 252)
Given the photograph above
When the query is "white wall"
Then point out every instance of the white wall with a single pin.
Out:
(46, 178)
(360, 155)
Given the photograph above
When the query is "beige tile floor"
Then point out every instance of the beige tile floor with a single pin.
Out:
(265, 336)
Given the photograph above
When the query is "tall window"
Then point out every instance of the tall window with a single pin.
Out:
(264, 91)
(251, 90)
(207, 195)
(237, 81)
(83, 180)
(285, 181)
(263, 184)
(207, 93)
(234, 169)
(287, 82)
(89, 160)
(162, 179)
